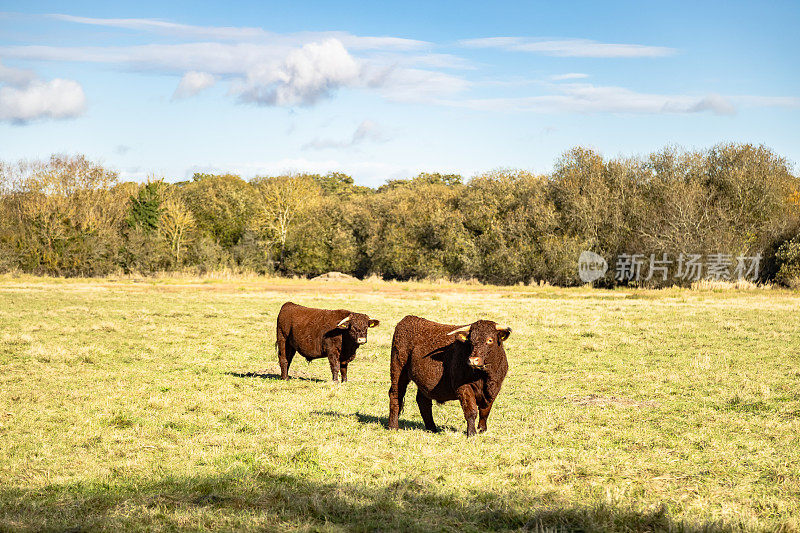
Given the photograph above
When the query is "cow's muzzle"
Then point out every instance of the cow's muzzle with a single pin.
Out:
(476, 362)
(361, 340)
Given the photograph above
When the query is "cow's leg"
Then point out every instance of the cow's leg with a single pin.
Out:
(397, 392)
(426, 410)
(470, 407)
(334, 361)
(285, 354)
(343, 368)
(484, 414)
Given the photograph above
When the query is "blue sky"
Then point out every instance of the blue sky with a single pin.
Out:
(388, 90)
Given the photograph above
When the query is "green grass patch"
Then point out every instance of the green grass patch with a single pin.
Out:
(157, 407)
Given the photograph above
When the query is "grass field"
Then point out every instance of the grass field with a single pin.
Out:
(155, 405)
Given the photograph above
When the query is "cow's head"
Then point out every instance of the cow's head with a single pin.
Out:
(356, 325)
(485, 339)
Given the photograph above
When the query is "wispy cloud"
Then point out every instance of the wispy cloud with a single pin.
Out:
(25, 98)
(16, 76)
(243, 34)
(569, 47)
(418, 85)
(304, 68)
(366, 131)
(786, 102)
(587, 98)
(568, 76)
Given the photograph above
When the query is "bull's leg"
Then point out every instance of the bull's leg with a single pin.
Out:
(334, 361)
(470, 407)
(343, 368)
(285, 354)
(484, 414)
(426, 410)
(397, 392)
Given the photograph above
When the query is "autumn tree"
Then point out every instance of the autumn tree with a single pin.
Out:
(280, 201)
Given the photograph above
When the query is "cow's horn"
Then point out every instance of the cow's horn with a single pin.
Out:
(462, 328)
(343, 322)
(502, 328)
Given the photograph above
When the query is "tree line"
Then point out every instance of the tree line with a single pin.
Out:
(69, 216)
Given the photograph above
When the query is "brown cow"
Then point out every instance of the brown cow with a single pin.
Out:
(316, 333)
(448, 362)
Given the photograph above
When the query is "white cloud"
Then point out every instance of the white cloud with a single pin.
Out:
(587, 98)
(38, 99)
(306, 75)
(366, 131)
(568, 76)
(569, 47)
(192, 83)
(267, 74)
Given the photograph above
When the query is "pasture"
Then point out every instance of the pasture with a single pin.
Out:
(154, 405)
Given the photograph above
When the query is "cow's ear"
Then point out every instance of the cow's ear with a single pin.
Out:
(345, 323)
(502, 332)
(373, 322)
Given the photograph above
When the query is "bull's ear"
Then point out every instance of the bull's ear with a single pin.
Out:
(502, 332)
(461, 334)
(373, 322)
(345, 322)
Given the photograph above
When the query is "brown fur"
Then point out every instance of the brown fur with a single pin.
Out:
(313, 333)
(440, 365)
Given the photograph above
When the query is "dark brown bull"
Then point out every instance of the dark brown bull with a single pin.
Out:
(448, 362)
(317, 333)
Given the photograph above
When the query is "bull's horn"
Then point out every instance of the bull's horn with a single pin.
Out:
(462, 328)
(502, 328)
(343, 322)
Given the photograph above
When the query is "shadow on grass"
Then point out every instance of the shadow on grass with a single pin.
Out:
(270, 375)
(382, 421)
(257, 498)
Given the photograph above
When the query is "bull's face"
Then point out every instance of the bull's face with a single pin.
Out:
(485, 339)
(356, 325)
